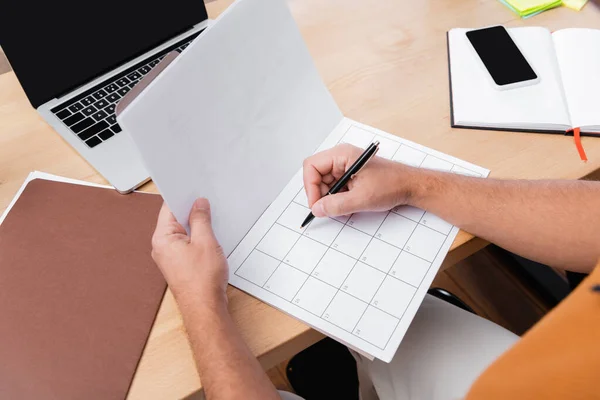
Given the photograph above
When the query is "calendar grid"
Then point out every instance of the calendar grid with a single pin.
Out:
(265, 234)
(387, 273)
(379, 287)
(308, 276)
(391, 244)
(356, 261)
(337, 289)
(373, 344)
(306, 228)
(349, 297)
(288, 250)
(291, 266)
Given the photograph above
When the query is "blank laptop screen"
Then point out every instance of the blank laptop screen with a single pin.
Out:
(54, 46)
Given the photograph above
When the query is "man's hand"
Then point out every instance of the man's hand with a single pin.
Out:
(380, 185)
(196, 269)
(193, 265)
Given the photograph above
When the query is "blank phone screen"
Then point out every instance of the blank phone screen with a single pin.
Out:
(500, 55)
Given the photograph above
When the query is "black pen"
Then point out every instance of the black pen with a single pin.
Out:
(350, 173)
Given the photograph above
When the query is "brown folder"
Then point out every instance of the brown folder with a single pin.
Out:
(79, 291)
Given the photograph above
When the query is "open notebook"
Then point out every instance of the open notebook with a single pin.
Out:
(566, 97)
(231, 119)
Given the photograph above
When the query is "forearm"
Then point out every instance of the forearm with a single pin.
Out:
(553, 222)
(227, 368)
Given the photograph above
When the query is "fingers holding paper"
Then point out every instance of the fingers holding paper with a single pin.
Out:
(191, 264)
(167, 225)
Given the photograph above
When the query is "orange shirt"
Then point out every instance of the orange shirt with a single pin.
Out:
(559, 358)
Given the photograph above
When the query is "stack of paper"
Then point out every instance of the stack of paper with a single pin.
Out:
(529, 8)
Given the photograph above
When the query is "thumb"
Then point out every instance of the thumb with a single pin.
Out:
(200, 221)
(337, 204)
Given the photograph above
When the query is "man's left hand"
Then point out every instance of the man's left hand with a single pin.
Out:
(193, 265)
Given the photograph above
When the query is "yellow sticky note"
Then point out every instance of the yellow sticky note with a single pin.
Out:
(525, 7)
(574, 4)
(528, 4)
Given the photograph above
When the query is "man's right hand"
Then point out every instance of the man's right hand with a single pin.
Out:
(381, 185)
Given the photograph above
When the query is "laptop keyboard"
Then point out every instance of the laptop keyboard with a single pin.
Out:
(91, 115)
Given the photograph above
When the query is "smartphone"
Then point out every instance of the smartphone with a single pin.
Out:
(501, 57)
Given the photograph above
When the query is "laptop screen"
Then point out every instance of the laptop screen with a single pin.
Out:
(55, 46)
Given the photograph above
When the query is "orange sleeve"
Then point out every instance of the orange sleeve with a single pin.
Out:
(559, 358)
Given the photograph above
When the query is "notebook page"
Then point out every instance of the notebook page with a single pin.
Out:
(360, 278)
(477, 102)
(578, 54)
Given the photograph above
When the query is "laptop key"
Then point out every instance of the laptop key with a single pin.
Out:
(116, 128)
(89, 111)
(134, 76)
(123, 91)
(87, 101)
(111, 88)
(110, 109)
(113, 97)
(86, 123)
(93, 142)
(144, 70)
(100, 115)
(62, 114)
(131, 85)
(100, 94)
(92, 130)
(123, 82)
(105, 134)
(101, 104)
(75, 107)
(112, 119)
(73, 119)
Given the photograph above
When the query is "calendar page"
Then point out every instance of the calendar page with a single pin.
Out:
(358, 278)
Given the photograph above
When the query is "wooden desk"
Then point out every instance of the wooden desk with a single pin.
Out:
(385, 63)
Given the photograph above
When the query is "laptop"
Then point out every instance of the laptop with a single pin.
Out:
(76, 61)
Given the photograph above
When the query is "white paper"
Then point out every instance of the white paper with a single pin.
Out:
(476, 102)
(578, 55)
(232, 118)
(358, 282)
